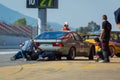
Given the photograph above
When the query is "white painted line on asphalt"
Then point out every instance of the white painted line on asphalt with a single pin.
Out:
(8, 51)
(12, 52)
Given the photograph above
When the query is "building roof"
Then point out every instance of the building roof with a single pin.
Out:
(11, 30)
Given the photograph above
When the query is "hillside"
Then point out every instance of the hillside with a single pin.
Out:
(9, 16)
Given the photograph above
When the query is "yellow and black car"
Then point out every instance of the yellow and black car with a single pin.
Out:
(114, 43)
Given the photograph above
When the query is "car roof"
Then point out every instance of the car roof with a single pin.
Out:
(91, 34)
(60, 31)
(115, 31)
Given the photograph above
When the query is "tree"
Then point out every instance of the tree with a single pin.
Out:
(92, 27)
(48, 28)
(81, 30)
(77, 30)
(20, 22)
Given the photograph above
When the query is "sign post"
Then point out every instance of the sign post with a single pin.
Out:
(42, 6)
(42, 23)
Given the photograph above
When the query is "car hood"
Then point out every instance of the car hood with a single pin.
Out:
(90, 40)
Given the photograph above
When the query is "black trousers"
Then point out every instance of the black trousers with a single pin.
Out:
(27, 54)
(105, 50)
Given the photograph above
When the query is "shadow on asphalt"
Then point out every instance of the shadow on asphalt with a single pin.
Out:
(69, 60)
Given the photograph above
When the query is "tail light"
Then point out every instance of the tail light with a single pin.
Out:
(58, 44)
(37, 44)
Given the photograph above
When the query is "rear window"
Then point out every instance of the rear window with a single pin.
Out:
(51, 35)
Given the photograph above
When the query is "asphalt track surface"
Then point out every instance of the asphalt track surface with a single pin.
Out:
(6, 54)
(79, 69)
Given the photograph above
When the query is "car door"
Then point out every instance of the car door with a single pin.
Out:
(68, 41)
(80, 44)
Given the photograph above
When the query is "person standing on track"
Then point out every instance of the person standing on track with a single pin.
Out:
(105, 37)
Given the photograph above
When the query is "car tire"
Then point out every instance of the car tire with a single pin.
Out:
(118, 54)
(58, 57)
(91, 53)
(71, 55)
(112, 51)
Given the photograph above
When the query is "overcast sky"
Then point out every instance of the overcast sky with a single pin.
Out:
(76, 12)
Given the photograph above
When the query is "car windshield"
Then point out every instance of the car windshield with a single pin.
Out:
(51, 35)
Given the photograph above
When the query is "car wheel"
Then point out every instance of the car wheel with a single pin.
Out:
(71, 55)
(58, 57)
(91, 53)
(112, 51)
(118, 54)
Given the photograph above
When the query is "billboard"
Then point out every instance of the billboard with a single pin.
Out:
(42, 4)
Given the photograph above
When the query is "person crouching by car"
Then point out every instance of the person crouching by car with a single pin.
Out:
(36, 53)
(46, 55)
(26, 50)
(98, 49)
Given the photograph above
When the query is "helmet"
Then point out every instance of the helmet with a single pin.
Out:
(66, 23)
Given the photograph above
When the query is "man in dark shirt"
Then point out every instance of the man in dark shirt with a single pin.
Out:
(105, 37)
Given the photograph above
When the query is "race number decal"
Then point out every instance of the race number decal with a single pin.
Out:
(42, 3)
